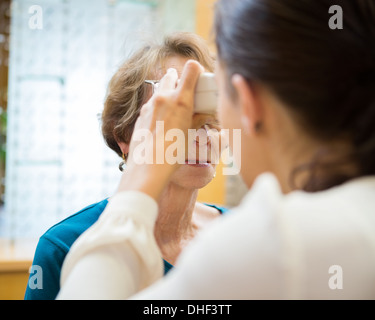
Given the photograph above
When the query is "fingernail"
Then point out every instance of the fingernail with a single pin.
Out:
(200, 66)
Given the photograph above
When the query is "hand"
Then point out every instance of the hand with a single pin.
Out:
(173, 104)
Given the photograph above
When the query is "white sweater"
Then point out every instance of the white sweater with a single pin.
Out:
(273, 246)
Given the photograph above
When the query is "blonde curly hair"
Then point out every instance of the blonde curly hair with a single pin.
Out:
(127, 91)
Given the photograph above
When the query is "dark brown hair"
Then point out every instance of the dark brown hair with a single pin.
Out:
(326, 77)
(127, 91)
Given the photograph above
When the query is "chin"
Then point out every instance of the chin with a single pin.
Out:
(194, 176)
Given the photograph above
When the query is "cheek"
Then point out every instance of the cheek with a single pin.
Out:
(230, 120)
(226, 114)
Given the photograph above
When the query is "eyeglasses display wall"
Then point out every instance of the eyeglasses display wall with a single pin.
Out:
(62, 55)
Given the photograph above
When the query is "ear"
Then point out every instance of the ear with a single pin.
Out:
(123, 146)
(250, 106)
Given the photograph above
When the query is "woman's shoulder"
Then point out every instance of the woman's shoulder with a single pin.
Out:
(207, 210)
(65, 232)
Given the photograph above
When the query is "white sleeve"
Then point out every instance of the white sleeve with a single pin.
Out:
(240, 256)
(118, 255)
(237, 257)
(215, 270)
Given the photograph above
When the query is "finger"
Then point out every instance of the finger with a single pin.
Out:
(190, 76)
(169, 81)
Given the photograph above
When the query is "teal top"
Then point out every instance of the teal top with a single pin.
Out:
(54, 245)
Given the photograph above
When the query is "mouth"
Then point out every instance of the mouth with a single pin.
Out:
(197, 164)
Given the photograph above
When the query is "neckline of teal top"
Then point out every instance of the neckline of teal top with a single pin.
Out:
(167, 266)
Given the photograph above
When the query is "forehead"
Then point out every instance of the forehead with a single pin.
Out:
(176, 62)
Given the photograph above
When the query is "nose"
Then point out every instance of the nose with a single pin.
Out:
(203, 137)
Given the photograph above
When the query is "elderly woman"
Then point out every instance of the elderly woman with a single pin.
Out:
(181, 217)
(303, 96)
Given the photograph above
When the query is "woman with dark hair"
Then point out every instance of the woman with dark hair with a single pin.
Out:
(303, 96)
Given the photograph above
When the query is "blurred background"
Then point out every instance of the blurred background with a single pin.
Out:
(56, 58)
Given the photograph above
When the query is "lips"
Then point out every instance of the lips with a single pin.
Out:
(196, 163)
